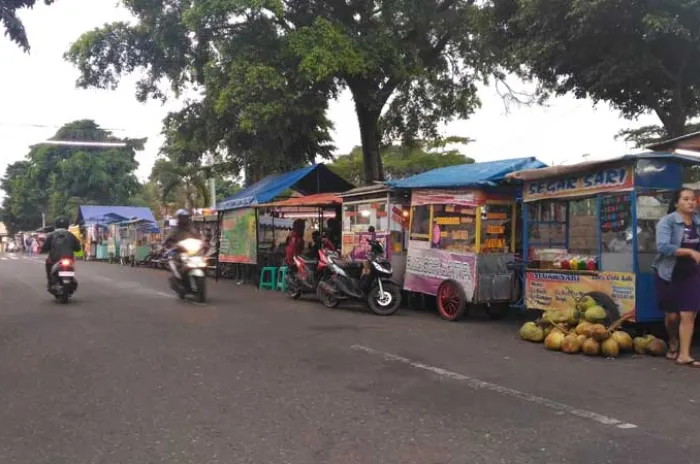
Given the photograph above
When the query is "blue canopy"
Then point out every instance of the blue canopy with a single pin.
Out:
(311, 179)
(89, 214)
(485, 174)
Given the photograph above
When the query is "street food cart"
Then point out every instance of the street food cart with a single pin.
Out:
(462, 236)
(590, 229)
(385, 209)
(275, 223)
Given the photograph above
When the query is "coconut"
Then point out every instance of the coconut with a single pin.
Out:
(585, 303)
(582, 326)
(624, 340)
(547, 331)
(595, 314)
(610, 348)
(570, 344)
(599, 332)
(581, 338)
(640, 344)
(657, 347)
(591, 347)
(554, 340)
(556, 316)
(532, 332)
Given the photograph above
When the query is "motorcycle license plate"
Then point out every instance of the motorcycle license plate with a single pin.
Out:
(198, 273)
(66, 281)
(66, 274)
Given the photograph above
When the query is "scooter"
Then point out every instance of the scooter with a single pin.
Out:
(63, 281)
(188, 264)
(366, 281)
(308, 273)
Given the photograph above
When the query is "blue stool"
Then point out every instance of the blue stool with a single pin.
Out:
(271, 283)
(282, 279)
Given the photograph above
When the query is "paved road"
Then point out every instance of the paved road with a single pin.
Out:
(129, 374)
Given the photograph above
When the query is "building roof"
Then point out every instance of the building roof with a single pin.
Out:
(689, 142)
(110, 214)
(316, 178)
(484, 174)
(567, 170)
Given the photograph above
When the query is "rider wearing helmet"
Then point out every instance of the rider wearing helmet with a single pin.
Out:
(59, 244)
(183, 230)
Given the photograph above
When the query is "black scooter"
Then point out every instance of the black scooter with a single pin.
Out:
(63, 281)
(368, 281)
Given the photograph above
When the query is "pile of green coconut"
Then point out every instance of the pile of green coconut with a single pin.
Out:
(582, 330)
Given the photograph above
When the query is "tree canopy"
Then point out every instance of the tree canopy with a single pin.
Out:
(56, 179)
(14, 29)
(639, 56)
(268, 68)
(403, 160)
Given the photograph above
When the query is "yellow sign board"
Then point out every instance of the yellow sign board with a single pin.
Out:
(561, 290)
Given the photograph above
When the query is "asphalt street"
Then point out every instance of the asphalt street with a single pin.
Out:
(127, 373)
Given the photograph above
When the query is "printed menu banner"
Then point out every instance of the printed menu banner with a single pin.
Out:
(620, 178)
(355, 245)
(427, 268)
(560, 290)
(238, 241)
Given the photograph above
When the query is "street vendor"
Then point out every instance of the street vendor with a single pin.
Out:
(295, 242)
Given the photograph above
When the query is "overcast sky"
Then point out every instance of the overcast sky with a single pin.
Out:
(38, 89)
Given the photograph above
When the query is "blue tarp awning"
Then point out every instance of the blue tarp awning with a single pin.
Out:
(487, 174)
(311, 179)
(91, 214)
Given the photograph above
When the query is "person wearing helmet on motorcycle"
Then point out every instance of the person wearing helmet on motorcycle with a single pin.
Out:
(183, 230)
(59, 244)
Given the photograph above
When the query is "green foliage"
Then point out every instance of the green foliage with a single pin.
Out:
(639, 56)
(14, 29)
(267, 74)
(56, 179)
(403, 160)
(644, 136)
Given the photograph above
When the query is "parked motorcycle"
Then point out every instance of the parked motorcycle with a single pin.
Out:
(188, 264)
(63, 281)
(308, 273)
(365, 281)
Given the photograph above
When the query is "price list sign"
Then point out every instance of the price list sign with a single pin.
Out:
(615, 213)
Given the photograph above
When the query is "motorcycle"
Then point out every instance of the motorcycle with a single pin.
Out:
(63, 281)
(188, 265)
(366, 281)
(308, 273)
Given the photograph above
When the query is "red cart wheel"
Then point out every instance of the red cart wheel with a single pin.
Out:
(451, 301)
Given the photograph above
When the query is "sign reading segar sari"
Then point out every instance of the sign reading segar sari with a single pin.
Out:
(427, 268)
(238, 237)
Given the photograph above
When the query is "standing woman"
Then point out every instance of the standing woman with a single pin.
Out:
(677, 268)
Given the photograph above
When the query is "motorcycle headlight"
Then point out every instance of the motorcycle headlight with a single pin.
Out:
(191, 245)
(381, 268)
(196, 261)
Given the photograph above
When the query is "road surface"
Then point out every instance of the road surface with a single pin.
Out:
(127, 373)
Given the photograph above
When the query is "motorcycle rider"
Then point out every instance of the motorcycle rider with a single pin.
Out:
(182, 231)
(60, 244)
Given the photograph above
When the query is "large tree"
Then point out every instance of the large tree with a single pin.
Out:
(410, 64)
(640, 56)
(14, 28)
(404, 160)
(55, 179)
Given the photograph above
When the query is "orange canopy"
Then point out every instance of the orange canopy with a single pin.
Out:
(319, 199)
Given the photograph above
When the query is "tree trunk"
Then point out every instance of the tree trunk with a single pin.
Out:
(369, 133)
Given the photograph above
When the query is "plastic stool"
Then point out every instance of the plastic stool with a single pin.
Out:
(282, 279)
(270, 284)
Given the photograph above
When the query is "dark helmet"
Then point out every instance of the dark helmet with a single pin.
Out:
(61, 223)
(183, 217)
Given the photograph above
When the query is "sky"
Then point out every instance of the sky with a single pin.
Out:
(38, 89)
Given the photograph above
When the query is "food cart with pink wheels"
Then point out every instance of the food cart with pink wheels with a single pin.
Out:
(463, 236)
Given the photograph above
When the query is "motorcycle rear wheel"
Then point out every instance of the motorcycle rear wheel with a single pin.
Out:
(325, 295)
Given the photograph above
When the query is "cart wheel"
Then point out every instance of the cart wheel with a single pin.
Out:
(451, 301)
(608, 304)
